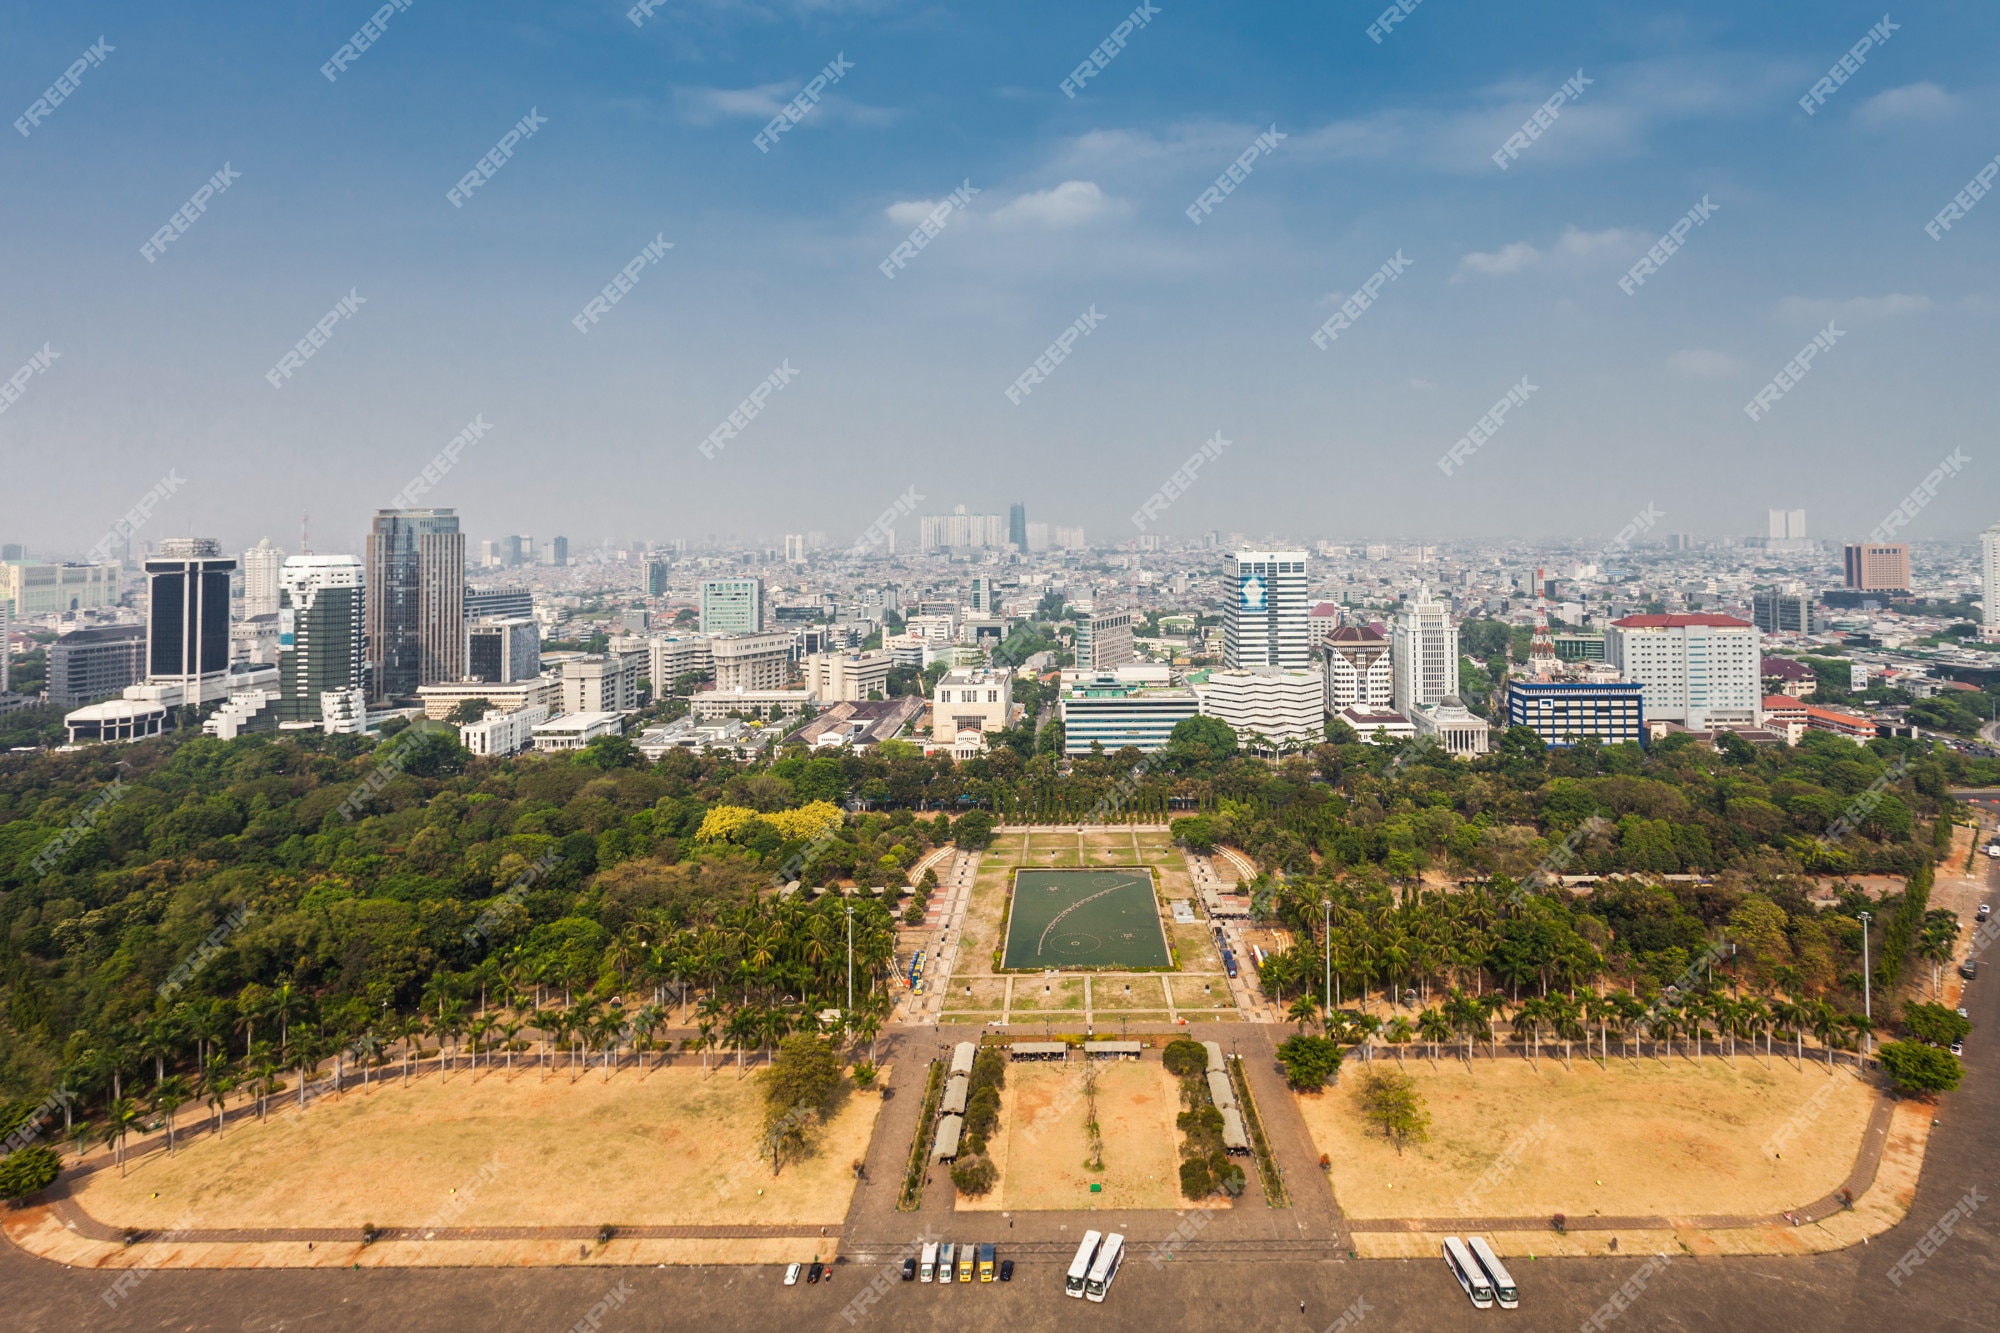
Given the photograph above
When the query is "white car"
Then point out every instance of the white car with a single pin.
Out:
(792, 1275)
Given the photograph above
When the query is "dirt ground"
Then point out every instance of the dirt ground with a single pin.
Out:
(1041, 1147)
(674, 1149)
(1637, 1139)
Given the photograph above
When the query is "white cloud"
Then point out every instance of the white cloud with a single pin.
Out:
(1799, 309)
(705, 106)
(1703, 364)
(909, 212)
(1912, 102)
(1574, 247)
(1070, 204)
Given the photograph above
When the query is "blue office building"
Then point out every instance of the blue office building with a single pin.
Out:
(1562, 712)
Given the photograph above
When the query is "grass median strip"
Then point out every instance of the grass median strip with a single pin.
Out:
(912, 1197)
(1267, 1164)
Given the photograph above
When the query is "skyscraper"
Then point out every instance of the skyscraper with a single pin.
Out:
(1264, 621)
(1989, 566)
(260, 579)
(1787, 525)
(416, 606)
(656, 576)
(1877, 566)
(187, 616)
(1017, 525)
(322, 633)
(559, 551)
(1423, 653)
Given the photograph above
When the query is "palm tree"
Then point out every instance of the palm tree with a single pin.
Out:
(1795, 1017)
(119, 1118)
(1862, 1028)
(1599, 1009)
(1825, 1024)
(477, 1030)
(1398, 1034)
(286, 1001)
(367, 1049)
(1527, 1022)
(1433, 1027)
(1567, 1018)
(508, 1031)
(1304, 1011)
(169, 1095)
(158, 1042)
(217, 1081)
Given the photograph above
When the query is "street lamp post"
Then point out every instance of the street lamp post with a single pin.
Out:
(1867, 1002)
(848, 1018)
(1328, 941)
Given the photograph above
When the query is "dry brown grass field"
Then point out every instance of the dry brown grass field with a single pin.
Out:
(1651, 1138)
(673, 1149)
(1041, 1149)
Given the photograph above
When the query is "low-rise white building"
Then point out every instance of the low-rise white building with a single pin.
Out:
(573, 731)
(1367, 721)
(1280, 707)
(973, 699)
(754, 703)
(440, 700)
(847, 677)
(503, 733)
(1460, 731)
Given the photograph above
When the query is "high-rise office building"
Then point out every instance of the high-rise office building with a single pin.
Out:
(732, 606)
(416, 600)
(1989, 567)
(1877, 566)
(559, 551)
(1787, 525)
(1017, 525)
(498, 604)
(1104, 641)
(1423, 653)
(260, 579)
(795, 548)
(322, 635)
(938, 532)
(503, 651)
(1780, 612)
(1038, 536)
(656, 576)
(7, 638)
(1702, 671)
(520, 551)
(985, 600)
(187, 616)
(1264, 619)
(90, 664)
(1357, 668)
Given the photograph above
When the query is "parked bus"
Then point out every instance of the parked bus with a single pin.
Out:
(1079, 1267)
(965, 1260)
(1468, 1272)
(1106, 1267)
(946, 1253)
(986, 1263)
(927, 1272)
(1496, 1273)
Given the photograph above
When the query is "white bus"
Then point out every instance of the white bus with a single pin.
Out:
(1079, 1267)
(1496, 1273)
(1105, 1268)
(928, 1269)
(1468, 1272)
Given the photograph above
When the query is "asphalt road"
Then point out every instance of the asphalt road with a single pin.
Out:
(1956, 1287)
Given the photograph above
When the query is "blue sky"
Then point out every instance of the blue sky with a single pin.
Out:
(1387, 149)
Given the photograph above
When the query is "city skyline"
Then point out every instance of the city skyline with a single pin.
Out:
(770, 290)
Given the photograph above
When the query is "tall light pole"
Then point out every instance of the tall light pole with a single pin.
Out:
(1328, 905)
(849, 1016)
(1867, 1003)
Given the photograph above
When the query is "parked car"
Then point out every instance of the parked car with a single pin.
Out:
(812, 1274)
(1958, 1048)
(1985, 910)
(1968, 969)
(792, 1272)
(1006, 1270)
(910, 1270)
(1962, 1013)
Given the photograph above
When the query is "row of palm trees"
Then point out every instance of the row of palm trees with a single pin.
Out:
(1691, 1018)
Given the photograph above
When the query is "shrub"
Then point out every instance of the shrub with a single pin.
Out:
(30, 1169)
(1185, 1056)
(1310, 1062)
(1196, 1180)
(1229, 1177)
(864, 1075)
(982, 1112)
(1934, 1023)
(974, 1175)
(1915, 1067)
